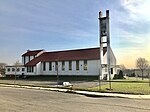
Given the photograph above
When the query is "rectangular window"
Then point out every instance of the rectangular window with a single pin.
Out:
(18, 69)
(56, 66)
(13, 69)
(44, 66)
(30, 69)
(29, 58)
(50, 66)
(85, 64)
(8, 69)
(70, 65)
(77, 65)
(111, 70)
(63, 65)
(24, 60)
(23, 70)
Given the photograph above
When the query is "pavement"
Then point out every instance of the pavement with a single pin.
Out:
(86, 93)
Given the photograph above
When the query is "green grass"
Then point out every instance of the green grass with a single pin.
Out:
(126, 86)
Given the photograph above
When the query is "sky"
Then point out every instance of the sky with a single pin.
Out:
(73, 24)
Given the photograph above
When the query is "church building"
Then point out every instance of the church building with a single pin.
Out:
(78, 62)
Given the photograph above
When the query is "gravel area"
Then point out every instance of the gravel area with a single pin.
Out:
(82, 84)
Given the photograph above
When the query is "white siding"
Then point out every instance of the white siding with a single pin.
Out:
(31, 73)
(92, 69)
(13, 72)
(22, 60)
(26, 59)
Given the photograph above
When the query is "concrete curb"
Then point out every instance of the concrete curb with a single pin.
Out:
(86, 93)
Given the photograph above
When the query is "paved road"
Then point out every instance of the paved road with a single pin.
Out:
(29, 100)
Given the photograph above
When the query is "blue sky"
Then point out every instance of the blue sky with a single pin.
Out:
(73, 24)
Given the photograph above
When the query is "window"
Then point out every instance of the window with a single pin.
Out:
(13, 69)
(29, 58)
(85, 64)
(23, 69)
(111, 70)
(63, 65)
(50, 66)
(44, 66)
(18, 69)
(30, 69)
(24, 60)
(8, 69)
(77, 65)
(70, 65)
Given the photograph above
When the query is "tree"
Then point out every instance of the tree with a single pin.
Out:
(2, 68)
(120, 76)
(16, 64)
(122, 68)
(142, 64)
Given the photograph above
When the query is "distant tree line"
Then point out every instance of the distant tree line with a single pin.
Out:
(142, 65)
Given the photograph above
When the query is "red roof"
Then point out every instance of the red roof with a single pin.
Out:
(80, 54)
(32, 53)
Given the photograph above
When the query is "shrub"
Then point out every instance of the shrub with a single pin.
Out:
(119, 76)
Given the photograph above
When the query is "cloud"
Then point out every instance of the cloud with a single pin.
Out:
(137, 9)
(130, 28)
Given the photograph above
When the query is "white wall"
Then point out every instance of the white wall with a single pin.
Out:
(31, 73)
(27, 59)
(13, 72)
(92, 68)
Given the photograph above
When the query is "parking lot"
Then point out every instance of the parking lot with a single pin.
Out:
(82, 84)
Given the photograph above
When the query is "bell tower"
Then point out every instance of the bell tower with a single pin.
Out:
(104, 45)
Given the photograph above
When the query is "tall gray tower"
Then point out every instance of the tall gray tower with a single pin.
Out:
(104, 44)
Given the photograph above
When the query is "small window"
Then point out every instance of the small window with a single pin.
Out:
(23, 69)
(111, 70)
(18, 69)
(29, 58)
(70, 65)
(85, 64)
(30, 69)
(63, 65)
(44, 66)
(77, 65)
(8, 69)
(13, 69)
(50, 66)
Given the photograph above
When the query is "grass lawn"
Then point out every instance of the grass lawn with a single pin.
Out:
(130, 86)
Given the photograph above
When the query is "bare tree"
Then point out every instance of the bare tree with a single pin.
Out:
(16, 64)
(2, 68)
(122, 67)
(142, 64)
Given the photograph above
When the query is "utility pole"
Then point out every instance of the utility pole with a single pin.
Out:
(101, 50)
(149, 75)
(57, 72)
(105, 43)
(16, 67)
